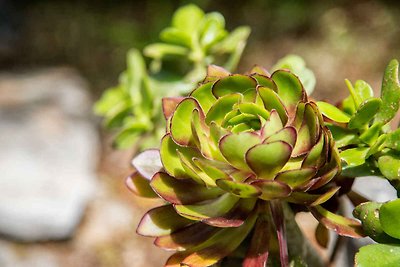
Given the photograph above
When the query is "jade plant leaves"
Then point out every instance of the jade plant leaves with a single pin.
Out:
(389, 217)
(378, 255)
(389, 165)
(333, 112)
(390, 93)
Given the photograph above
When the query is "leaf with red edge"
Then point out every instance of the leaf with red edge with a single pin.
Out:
(242, 190)
(312, 199)
(235, 217)
(161, 221)
(182, 191)
(272, 189)
(169, 105)
(181, 127)
(140, 185)
(188, 237)
(257, 254)
(341, 225)
(236, 83)
(266, 160)
(215, 72)
(148, 163)
(220, 245)
(272, 101)
(210, 209)
(287, 134)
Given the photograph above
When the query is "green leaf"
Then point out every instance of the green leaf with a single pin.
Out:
(272, 101)
(266, 160)
(161, 221)
(341, 225)
(298, 66)
(188, 18)
(389, 165)
(343, 136)
(236, 83)
(161, 50)
(390, 93)
(290, 89)
(371, 135)
(393, 140)
(211, 209)
(363, 90)
(175, 36)
(295, 178)
(369, 215)
(212, 30)
(333, 112)
(365, 112)
(221, 107)
(354, 156)
(181, 129)
(287, 134)
(272, 189)
(389, 217)
(176, 191)
(239, 189)
(378, 255)
(140, 186)
(235, 154)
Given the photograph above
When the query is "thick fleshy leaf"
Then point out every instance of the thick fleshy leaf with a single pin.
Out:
(181, 129)
(139, 185)
(204, 96)
(371, 135)
(339, 224)
(257, 69)
(369, 215)
(343, 136)
(390, 93)
(363, 90)
(290, 89)
(308, 133)
(187, 238)
(325, 178)
(272, 189)
(287, 134)
(389, 165)
(236, 216)
(148, 163)
(176, 191)
(333, 112)
(389, 217)
(272, 101)
(234, 147)
(272, 125)
(365, 113)
(378, 255)
(211, 209)
(294, 178)
(221, 107)
(257, 254)
(312, 199)
(236, 83)
(161, 221)
(242, 190)
(187, 18)
(169, 105)
(200, 133)
(220, 245)
(170, 158)
(253, 109)
(393, 140)
(316, 157)
(354, 156)
(266, 160)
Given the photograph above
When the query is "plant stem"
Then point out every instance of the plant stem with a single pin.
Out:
(278, 218)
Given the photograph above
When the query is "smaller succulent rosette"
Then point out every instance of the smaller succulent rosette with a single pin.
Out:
(236, 149)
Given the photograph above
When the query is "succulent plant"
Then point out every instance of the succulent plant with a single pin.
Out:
(236, 151)
(361, 127)
(178, 63)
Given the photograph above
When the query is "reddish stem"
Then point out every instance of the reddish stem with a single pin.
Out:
(278, 218)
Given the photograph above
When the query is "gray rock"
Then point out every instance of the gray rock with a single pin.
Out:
(48, 154)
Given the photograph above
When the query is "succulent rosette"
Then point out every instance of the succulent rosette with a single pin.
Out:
(235, 150)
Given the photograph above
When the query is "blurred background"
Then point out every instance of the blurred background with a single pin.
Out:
(63, 200)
